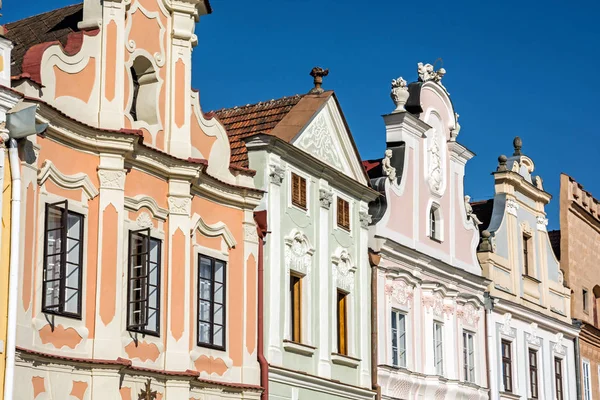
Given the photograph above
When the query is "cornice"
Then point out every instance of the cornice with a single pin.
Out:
(521, 185)
(311, 165)
(529, 315)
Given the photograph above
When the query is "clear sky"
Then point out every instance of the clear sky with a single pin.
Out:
(525, 68)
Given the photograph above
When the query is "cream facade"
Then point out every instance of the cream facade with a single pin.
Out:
(530, 335)
(428, 286)
(139, 252)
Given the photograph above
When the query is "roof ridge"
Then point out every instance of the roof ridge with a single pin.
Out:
(40, 14)
(260, 103)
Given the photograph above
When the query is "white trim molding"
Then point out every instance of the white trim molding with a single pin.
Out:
(215, 230)
(77, 181)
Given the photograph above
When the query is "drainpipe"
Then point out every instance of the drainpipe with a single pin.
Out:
(488, 307)
(261, 226)
(374, 259)
(578, 324)
(13, 285)
(20, 123)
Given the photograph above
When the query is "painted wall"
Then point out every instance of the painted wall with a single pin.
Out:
(308, 242)
(4, 262)
(428, 280)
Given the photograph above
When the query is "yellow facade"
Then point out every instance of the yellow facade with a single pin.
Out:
(4, 266)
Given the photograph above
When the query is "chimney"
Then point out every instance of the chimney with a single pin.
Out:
(318, 73)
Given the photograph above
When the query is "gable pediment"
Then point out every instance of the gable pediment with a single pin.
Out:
(326, 138)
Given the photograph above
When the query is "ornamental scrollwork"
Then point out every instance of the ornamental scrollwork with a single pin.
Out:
(179, 205)
(343, 270)
(298, 253)
(111, 179)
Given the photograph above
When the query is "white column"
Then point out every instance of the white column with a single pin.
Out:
(177, 349)
(179, 389)
(112, 194)
(452, 345)
(105, 384)
(324, 273)
(492, 345)
(273, 266)
(364, 290)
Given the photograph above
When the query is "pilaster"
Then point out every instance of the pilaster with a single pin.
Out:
(112, 260)
(364, 316)
(275, 201)
(324, 275)
(178, 273)
(113, 59)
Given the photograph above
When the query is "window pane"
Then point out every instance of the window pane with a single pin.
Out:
(204, 332)
(154, 249)
(74, 222)
(218, 335)
(152, 325)
(218, 293)
(72, 276)
(73, 251)
(52, 293)
(153, 297)
(153, 274)
(204, 312)
(205, 289)
(219, 268)
(53, 267)
(53, 242)
(205, 268)
(71, 300)
(218, 316)
(54, 218)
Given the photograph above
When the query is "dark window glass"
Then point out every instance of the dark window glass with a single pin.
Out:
(143, 294)
(507, 366)
(211, 302)
(533, 374)
(63, 261)
(558, 378)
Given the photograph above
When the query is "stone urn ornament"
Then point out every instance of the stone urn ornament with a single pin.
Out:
(399, 94)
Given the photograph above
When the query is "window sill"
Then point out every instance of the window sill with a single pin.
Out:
(508, 395)
(436, 239)
(531, 278)
(346, 361)
(299, 348)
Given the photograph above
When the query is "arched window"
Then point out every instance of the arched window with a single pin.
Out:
(435, 223)
(144, 106)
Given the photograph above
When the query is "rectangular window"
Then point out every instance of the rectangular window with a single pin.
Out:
(587, 381)
(507, 366)
(432, 224)
(343, 214)
(469, 356)
(398, 339)
(533, 374)
(211, 302)
(438, 348)
(526, 242)
(584, 295)
(558, 378)
(63, 261)
(296, 307)
(298, 191)
(342, 322)
(143, 293)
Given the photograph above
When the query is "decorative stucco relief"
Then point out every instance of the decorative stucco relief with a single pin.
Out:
(150, 24)
(318, 141)
(532, 336)
(512, 207)
(365, 219)
(506, 327)
(400, 291)
(111, 179)
(179, 205)
(276, 174)
(144, 220)
(542, 223)
(559, 347)
(343, 270)
(434, 302)
(468, 314)
(298, 253)
(77, 181)
(325, 198)
(435, 164)
(250, 233)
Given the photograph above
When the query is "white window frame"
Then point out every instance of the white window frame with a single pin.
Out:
(513, 362)
(586, 371)
(469, 360)
(439, 222)
(540, 373)
(438, 355)
(401, 350)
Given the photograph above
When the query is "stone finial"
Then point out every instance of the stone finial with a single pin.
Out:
(517, 144)
(486, 242)
(318, 73)
(502, 163)
(399, 94)
(427, 73)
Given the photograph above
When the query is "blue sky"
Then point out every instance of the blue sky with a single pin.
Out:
(524, 68)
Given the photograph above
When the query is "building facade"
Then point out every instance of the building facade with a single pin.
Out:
(577, 244)
(316, 281)
(428, 287)
(139, 253)
(530, 335)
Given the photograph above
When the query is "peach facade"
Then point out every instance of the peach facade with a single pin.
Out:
(115, 160)
(579, 258)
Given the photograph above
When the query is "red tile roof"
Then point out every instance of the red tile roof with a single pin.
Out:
(245, 121)
(55, 25)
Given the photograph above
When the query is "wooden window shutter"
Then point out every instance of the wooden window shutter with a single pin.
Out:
(343, 213)
(298, 191)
